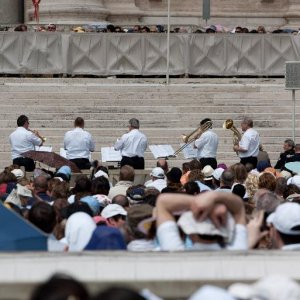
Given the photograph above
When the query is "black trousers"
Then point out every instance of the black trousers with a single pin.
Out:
(251, 159)
(81, 163)
(208, 161)
(136, 162)
(28, 163)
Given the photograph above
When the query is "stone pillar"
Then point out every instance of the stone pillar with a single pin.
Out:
(11, 12)
(69, 11)
(123, 11)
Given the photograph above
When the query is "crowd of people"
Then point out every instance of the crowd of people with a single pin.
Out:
(149, 29)
(275, 287)
(248, 205)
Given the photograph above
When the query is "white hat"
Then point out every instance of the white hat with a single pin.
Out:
(294, 180)
(189, 225)
(158, 173)
(18, 173)
(274, 287)
(112, 210)
(285, 174)
(209, 292)
(217, 173)
(285, 218)
(101, 173)
(208, 172)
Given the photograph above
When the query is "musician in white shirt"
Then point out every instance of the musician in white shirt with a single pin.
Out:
(248, 147)
(206, 144)
(132, 146)
(79, 144)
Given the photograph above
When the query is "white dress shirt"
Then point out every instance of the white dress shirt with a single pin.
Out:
(158, 184)
(78, 143)
(23, 140)
(249, 142)
(133, 143)
(207, 144)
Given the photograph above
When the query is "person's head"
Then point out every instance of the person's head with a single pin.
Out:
(121, 200)
(246, 123)
(136, 28)
(79, 122)
(227, 178)
(285, 225)
(251, 184)
(261, 29)
(281, 184)
(290, 189)
(115, 215)
(185, 167)
(266, 200)
(82, 185)
(7, 176)
(23, 121)
(206, 122)
(267, 181)
(195, 164)
(100, 185)
(174, 175)
(191, 188)
(51, 27)
(162, 163)
(40, 184)
(196, 175)
(133, 124)
(157, 173)
(60, 190)
(288, 145)
(240, 172)
(127, 173)
(60, 287)
(238, 29)
(43, 216)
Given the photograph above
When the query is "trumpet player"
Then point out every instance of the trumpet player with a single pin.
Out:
(22, 140)
(248, 146)
(206, 143)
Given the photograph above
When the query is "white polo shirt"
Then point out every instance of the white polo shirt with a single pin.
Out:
(23, 140)
(249, 142)
(207, 144)
(78, 143)
(133, 143)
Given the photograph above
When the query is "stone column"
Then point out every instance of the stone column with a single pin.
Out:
(11, 12)
(69, 11)
(123, 11)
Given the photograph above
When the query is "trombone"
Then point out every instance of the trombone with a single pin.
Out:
(191, 137)
(36, 133)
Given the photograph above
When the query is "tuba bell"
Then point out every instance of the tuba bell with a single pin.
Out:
(237, 136)
(192, 136)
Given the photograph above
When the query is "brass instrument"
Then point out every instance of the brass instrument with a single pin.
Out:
(38, 135)
(191, 137)
(237, 136)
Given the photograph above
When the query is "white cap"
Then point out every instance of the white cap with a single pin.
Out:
(274, 287)
(207, 172)
(112, 210)
(190, 225)
(285, 174)
(209, 292)
(18, 173)
(294, 180)
(285, 218)
(158, 173)
(218, 173)
(101, 173)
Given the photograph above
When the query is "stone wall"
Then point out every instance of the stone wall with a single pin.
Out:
(272, 13)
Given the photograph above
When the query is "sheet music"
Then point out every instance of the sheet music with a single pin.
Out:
(161, 150)
(43, 148)
(189, 151)
(110, 154)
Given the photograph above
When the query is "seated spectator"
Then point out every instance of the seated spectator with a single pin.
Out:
(110, 28)
(226, 181)
(51, 28)
(157, 179)
(208, 178)
(261, 29)
(267, 181)
(199, 224)
(173, 181)
(119, 293)
(136, 28)
(191, 188)
(21, 27)
(82, 188)
(100, 190)
(115, 215)
(238, 29)
(288, 152)
(145, 29)
(121, 200)
(40, 189)
(197, 176)
(240, 172)
(217, 177)
(126, 179)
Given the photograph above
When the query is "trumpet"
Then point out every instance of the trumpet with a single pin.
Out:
(191, 137)
(237, 136)
(35, 132)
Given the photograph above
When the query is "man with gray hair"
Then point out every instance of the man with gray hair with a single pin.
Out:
(248, 147)
(132, 146)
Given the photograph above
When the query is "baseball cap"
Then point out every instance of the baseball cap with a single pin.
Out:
(101, 173)
(209, 292)
(218, 173)
(112, 210)
(208, 172)
(158, 172)
(190, 225)
(286, 218)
